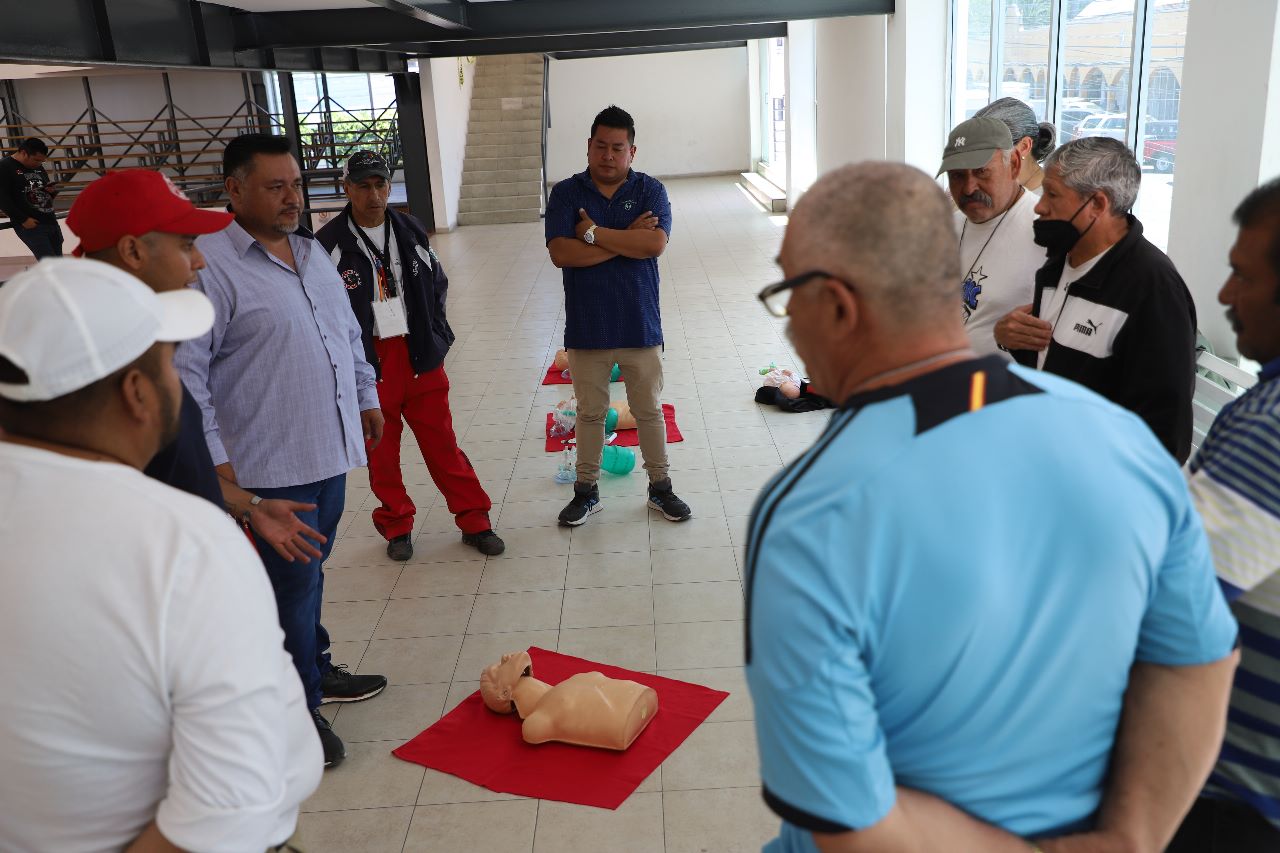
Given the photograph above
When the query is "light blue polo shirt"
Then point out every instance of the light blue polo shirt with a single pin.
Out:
(947, 591)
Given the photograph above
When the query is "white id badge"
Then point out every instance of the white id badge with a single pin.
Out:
(389, 320)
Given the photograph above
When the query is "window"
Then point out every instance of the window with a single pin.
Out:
(1092, 67)
(972, 56)
(1025, 45)
(773, 110)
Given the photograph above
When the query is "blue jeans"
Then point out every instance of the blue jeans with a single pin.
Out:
(299, 587)
(44, 241)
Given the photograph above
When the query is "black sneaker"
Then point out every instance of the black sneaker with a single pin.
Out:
(665, 501)
(400, 548)
(334, 751)
(486, 542)
(586, 501)
(339, 685)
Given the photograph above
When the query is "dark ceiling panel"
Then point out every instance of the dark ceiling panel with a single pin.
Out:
(642, 40)
(530, 19)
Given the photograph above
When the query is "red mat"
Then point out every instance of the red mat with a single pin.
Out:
(553, 377)
(626, 437)
(486, 749)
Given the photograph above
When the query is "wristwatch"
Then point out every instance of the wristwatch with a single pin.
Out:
(590, 235)
(253, 501)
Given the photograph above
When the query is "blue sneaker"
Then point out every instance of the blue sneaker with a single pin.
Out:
(664, 500)
(586, 501)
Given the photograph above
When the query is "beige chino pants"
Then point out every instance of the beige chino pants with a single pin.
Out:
(642, 370)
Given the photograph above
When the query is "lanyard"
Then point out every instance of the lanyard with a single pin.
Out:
(381, 258)
(973, 265)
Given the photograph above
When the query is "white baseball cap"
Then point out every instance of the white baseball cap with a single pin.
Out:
(68, 322)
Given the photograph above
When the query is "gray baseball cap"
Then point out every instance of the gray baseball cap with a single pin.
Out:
(972, 143)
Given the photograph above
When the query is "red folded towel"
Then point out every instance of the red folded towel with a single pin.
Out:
(475, 744)
(626, 437)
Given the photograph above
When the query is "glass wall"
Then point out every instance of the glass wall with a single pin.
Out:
(773, 110)
(1092, 67)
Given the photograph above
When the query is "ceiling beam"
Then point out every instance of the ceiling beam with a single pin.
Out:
(448, 14)
(643, 40)
(529, 18)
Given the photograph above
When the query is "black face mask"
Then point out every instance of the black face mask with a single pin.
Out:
(1059, 236)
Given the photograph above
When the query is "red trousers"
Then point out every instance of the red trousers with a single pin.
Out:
(423, 401)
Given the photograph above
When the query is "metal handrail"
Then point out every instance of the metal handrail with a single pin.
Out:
(546, 125)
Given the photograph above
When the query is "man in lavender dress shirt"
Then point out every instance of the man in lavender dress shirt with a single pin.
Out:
(289, 401)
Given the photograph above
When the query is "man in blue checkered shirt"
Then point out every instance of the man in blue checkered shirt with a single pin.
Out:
(605, 229)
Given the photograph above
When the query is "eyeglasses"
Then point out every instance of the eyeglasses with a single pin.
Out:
(776, 296)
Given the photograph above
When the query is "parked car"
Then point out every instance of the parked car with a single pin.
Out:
(1160, 145)
(1074, 112)
(1104, 124)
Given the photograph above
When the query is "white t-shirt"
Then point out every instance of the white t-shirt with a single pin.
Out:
(1053, 299)
(144, 668)
(377, 235)
(1000, 277)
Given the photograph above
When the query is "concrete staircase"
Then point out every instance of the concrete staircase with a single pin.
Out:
(502, 169)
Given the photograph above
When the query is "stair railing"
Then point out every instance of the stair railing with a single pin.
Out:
(546, 124)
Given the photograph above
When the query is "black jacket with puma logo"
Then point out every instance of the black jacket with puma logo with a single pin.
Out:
(1127, 331)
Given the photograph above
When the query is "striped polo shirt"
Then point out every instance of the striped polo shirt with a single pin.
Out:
(614, 304)
(1235, 481)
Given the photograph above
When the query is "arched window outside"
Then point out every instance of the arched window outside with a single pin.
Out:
(1042, 83)
(1094, 88)
(1165, 93)
(1010, 76)
(1073, 83)
(1120, 93)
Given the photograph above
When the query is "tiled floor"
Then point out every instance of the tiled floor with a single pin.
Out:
(628, 588)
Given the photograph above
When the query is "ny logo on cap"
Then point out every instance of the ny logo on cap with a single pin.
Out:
(959, 143)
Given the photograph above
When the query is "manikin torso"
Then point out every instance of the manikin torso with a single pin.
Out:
(587, 709)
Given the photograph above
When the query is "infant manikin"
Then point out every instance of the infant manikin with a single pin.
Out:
(587, 709)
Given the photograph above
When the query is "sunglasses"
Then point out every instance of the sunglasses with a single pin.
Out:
(776, 296)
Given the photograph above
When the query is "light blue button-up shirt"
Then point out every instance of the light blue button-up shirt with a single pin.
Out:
(281, 378)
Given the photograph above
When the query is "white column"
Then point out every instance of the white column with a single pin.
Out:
(852, 85)
(917, 82)
(1228, 142)
(802, 116)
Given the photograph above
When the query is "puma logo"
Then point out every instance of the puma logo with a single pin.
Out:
(1089, 329)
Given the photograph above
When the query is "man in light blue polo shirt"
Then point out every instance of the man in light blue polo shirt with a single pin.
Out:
(949, 594)
(605, 228)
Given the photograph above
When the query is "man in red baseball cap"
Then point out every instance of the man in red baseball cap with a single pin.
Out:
(141, 222)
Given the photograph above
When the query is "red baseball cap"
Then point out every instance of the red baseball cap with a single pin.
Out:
(136, 202)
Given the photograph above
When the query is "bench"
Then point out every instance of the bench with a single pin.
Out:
(1226, 382)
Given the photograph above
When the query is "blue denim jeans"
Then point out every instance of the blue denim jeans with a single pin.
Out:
(299, 587)
(44, 241)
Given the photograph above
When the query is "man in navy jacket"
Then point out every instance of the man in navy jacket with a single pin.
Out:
(397, 290)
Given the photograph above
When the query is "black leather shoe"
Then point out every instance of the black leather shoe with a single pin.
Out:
(400, 548)
(486, 542)
(334, 751)
(339, 685)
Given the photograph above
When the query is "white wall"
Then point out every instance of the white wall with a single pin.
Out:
(869, 87)
(691, 109)
(446, 109)
(851, 87)
(1228, 143)
(130, 95)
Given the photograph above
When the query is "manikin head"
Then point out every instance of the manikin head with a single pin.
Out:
(498, 681)
(982, 166)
